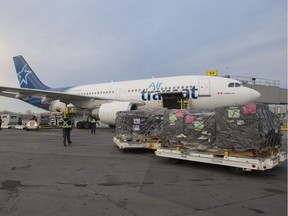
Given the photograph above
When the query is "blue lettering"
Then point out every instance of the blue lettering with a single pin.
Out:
(186, 93)
(155, 85)
(157, 96)
(148, 95)
(143, 95)
(193, 90)
(152, 85)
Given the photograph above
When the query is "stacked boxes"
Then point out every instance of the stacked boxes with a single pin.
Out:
(239, 128)
(250, 127)
(183, 128)
(139, 124)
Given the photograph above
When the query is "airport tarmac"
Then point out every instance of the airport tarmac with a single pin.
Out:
(39, 176)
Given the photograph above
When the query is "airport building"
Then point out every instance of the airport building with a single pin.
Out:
(271, 93)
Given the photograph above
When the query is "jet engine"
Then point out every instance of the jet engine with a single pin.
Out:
(107, 112)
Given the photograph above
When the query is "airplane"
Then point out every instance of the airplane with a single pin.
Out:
(104, 100)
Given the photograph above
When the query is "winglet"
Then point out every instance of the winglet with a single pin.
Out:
(26, 77)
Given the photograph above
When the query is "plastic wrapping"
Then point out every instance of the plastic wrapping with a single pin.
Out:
(183, 128)
(250, 127)
(139, 124)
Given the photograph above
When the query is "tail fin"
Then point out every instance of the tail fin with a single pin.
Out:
(26, 77)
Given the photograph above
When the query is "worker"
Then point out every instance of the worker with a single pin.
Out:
(93, 125)
(19, 121)
(0, 122)
(66, 128)
(34, 118)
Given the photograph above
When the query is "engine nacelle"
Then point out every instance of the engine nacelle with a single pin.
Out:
(107, 112)
(21, 96)
(45, 99)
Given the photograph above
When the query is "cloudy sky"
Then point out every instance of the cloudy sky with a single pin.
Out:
(71, 42)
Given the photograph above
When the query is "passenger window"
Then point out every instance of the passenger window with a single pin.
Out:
(231, 85)
(237, 85)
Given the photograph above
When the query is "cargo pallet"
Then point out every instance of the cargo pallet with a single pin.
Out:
(239, 164)
(152, 143)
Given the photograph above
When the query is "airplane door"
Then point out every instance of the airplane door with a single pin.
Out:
(204, 87)
(117, 93)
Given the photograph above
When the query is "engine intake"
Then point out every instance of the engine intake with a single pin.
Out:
(108, 111)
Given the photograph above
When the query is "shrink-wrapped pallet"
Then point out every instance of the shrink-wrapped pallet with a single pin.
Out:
(250, 127)
(139, 124)
(183, 128)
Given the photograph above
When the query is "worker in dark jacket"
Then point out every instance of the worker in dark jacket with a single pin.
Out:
(66, 128)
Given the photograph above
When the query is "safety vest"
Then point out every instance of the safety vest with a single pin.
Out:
(66, 124)
(93, 121)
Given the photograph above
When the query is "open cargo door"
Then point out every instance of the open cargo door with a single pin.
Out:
(172, 100)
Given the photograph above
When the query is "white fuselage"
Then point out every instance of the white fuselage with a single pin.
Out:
(204, 92)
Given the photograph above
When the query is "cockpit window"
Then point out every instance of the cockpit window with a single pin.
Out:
(234, 85)
(231, 85)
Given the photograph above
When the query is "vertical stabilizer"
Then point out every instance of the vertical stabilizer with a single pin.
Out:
(26, 77)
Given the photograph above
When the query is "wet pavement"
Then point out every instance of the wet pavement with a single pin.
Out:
(39, 176)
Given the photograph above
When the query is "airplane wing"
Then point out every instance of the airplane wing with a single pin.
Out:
(67, 98)
(22, 92)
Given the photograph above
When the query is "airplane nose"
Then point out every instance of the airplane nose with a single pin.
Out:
(255, 94)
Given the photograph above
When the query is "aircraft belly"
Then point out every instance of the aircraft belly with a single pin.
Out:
(85, 104)
(154, 104)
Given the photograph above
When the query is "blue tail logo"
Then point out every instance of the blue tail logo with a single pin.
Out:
(23, 75)
(26, 77)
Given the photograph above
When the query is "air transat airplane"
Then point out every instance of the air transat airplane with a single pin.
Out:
(104, 100)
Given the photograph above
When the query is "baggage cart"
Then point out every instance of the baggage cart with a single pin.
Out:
(238, 161)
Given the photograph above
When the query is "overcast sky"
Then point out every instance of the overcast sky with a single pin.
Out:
(71, 42)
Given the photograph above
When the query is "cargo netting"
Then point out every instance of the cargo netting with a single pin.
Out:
(250, 127)
(183, 128)
(139, 124)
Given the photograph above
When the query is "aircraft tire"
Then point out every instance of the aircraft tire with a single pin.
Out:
(87, 125)
(79, 125)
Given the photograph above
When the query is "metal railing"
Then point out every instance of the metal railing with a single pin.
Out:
(257, 81)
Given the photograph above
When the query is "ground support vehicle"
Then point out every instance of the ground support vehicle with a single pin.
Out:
(32, 125)
(239, 162)
(145, 143)
(9, 120)
(20, 127)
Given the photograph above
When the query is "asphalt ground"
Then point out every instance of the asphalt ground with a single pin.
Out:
(39, 176)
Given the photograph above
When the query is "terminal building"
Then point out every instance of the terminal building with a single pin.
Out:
(271, 92)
